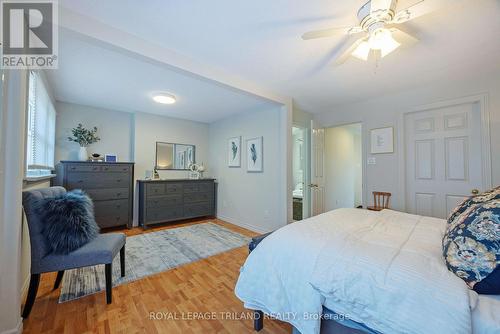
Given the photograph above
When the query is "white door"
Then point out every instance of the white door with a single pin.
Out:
(443, 158)
(317, 184)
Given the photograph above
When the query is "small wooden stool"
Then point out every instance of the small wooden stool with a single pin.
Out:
(380, 200)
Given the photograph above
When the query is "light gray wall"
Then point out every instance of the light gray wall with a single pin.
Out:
(115, 129)
(250, 200)
(387, 111)
(301, 118)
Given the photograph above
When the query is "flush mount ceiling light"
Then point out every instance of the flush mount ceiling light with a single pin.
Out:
(164, 98)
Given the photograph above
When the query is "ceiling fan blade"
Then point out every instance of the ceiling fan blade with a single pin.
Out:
(346, 51)
(420, 8)
(331, 32)
(381, 5)
(402, 37)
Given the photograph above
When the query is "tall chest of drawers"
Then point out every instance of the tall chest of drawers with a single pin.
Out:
(169, 200)
(110, 185)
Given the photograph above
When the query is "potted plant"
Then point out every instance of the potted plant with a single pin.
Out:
(84, 137)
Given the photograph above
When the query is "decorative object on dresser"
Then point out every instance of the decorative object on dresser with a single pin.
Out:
(111, 158)
(110, 185)
(84, 137)
(168, 200)
(234, 152)
(255, 156)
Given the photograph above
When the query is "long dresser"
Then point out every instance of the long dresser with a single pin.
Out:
(110, 185)
(168, 200)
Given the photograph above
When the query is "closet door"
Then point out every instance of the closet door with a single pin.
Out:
(443, 158)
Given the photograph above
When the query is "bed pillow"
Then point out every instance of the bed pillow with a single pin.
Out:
(471, 245)
(68, 221)
(476, 199)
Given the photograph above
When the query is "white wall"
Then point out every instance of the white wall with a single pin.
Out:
(12, 161)
(343, 172)
(250, 200)
(115, 129)
(387, 111)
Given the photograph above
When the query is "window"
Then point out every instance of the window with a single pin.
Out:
(40, 129)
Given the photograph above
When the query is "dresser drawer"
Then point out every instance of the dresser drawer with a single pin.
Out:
(103, 208)
(173, 188)
(194, 187)
(112, 221)
(111, 213)
(197, 197)
(162, 201)
(107, 194)
(198, 209)
(164, 213)
(116, 168)
(155, 189)
(83, 168)
(97, 180)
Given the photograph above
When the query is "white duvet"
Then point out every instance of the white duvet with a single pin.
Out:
(383, 269)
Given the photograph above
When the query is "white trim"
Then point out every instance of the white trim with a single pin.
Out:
(239, 223)
(483, 101)
(16, 330)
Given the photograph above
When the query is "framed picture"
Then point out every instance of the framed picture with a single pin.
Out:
(110, 158)
(234, 152)
(255, 155)
(382, 140)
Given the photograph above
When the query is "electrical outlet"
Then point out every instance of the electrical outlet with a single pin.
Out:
(266, 213)
(371, 161)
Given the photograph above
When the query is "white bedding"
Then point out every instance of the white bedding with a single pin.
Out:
(383, 269)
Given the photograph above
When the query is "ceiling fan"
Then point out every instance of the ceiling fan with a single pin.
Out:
(377, 21)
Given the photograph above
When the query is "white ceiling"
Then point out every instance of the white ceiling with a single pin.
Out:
(259, 40)
(90, 74)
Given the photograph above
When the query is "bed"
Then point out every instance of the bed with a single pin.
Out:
(358, 271)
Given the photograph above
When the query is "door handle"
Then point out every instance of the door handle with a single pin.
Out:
(475, 191)
(312, 185)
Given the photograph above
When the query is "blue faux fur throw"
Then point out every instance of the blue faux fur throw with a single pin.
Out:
(68, 221)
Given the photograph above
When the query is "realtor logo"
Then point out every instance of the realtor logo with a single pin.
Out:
(29, 34)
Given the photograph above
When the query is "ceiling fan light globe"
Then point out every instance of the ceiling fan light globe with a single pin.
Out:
(362, 51)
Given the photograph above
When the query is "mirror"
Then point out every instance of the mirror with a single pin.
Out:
(174, 156)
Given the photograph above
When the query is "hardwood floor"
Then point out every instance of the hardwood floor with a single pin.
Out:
(168, 302)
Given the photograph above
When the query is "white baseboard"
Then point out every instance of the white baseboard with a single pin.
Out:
(17, 330)
(239, 223)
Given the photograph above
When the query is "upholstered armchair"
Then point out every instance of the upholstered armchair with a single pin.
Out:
(101, 250)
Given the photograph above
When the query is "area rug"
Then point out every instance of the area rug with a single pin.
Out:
(152, 253)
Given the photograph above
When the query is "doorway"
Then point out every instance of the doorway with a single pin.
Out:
(343, 167)
(300, 173)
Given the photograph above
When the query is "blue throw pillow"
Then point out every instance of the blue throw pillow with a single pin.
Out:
(473, 200)
(471, 245)
(68, 221)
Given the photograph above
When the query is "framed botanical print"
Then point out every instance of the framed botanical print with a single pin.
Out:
(255, 157)
(234, 152)
(382, 140)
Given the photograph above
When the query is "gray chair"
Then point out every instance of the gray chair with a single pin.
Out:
(101, 250)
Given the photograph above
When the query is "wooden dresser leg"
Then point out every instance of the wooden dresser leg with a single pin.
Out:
(258, 320)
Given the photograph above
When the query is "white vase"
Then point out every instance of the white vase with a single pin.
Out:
(82, 154)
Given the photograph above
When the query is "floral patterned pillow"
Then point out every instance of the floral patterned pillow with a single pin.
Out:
(477, 199)
(471, 244)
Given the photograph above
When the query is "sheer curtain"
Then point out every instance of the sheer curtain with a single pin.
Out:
(40, 128)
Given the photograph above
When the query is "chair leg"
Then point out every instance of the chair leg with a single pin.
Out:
(108, 271)
(30, 300)
(258, 320)
(59, 278)
(122, 261)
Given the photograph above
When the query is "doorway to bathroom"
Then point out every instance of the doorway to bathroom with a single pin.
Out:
(343, 151)
(300, 172)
